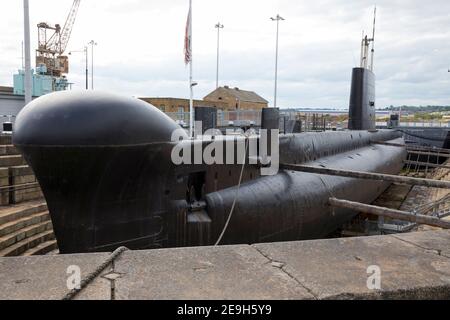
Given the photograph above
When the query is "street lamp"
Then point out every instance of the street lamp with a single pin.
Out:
(277, 19)
(28, 80)
(218, 26)
(85, 51)
(92, 43)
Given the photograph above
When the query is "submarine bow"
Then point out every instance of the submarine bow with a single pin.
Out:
(97, 158)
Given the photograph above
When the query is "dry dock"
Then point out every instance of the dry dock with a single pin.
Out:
(413, 266)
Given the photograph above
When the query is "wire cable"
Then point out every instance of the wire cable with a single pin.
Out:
(94, 274)
(236, 195)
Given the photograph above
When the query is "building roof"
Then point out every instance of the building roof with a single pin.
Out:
(4, 89)
(148, 99)
(242, 95)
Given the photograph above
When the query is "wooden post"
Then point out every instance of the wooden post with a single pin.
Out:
(391, 144)
(368, 175)
(18, 187)
(390, 213)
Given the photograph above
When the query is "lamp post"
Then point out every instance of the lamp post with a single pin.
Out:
(85, 51)
(218, 27)
(92, 43)
(277, 19)
(28, 81)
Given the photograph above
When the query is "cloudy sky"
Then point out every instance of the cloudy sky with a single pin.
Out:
(140, 47)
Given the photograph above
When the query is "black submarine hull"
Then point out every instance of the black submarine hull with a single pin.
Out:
(294, 205)
(104, 165)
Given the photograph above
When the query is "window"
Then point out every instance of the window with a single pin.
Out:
(180, 113)
(220, 116)
(162, 108)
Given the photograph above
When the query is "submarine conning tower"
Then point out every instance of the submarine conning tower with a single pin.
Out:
(362, 100)
(362, 113)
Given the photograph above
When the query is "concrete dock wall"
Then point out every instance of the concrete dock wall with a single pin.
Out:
(411, 266)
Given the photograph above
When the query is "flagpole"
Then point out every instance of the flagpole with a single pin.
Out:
(191, 87)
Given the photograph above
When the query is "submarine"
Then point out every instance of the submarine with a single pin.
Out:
(104, 164)
(106, 168)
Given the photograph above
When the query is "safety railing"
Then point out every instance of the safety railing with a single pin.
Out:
(419, 124)
(249, 118)
(439, 208)
(239, 118)
(182, 118)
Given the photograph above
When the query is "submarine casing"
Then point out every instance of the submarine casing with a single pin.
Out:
(104, 165)
(294, 205)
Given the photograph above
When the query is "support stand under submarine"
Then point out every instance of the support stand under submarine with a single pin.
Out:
(104, 166)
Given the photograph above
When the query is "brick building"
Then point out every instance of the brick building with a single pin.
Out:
(223, 98)
(176, 105)
(237, 99)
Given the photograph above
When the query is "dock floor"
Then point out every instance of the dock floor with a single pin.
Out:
(411, 266)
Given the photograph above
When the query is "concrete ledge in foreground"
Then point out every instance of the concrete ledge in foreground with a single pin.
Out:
(413, 266)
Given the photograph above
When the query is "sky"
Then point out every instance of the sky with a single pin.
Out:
(140, 47)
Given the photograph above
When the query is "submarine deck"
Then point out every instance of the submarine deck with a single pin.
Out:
(412, 266)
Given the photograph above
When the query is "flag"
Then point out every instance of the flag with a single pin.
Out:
(187, 39)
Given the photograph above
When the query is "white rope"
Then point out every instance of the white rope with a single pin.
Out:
(236, 195)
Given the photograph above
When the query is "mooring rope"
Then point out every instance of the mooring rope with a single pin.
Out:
(236, 195)
(94, 274)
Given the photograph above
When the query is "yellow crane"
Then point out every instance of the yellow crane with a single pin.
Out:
(52, 43)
